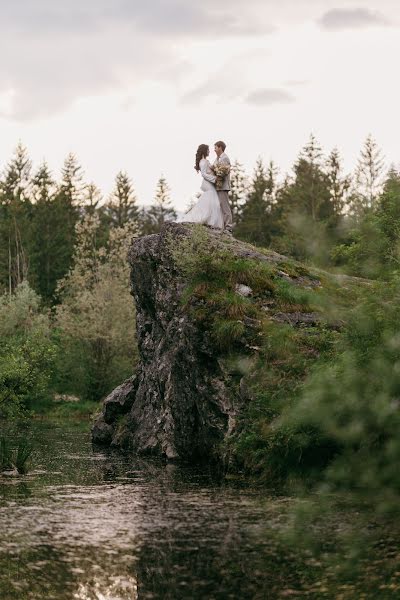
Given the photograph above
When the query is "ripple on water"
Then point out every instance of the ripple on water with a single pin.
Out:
(90, 525)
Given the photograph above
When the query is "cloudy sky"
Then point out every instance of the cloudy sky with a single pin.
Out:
(138, 84)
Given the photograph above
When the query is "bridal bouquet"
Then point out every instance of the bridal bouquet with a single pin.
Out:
(220, 171)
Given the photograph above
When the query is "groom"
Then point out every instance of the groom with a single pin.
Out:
(223, 195)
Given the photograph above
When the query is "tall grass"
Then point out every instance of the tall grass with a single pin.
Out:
(15, 456)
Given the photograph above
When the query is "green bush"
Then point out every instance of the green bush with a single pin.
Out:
(27, 353)
(25, 374)
(344, 427)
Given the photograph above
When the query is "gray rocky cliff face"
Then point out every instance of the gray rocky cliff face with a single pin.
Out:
(181, 403)
(178, 404)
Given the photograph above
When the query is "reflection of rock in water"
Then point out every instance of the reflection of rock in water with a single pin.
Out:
(110, 527)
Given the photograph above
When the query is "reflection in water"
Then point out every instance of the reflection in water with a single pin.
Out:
(116, 587)
(91, 525)
(97, 525)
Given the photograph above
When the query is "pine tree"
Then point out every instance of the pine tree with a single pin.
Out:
(122, 204)
(368, 177)
(43, 185)
(256, 222)
(311, 187)
(92, 206)
(388, 214)
(43, 227)
(372, 246)
(237, 194)
(339, 185)
(16, 179)
(91, 199)
(272, 186)
(305, 208)
(15, 230)
(68, 202)
(160, 211)
(71, 188)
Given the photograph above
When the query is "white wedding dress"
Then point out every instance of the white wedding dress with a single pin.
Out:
(207, 210)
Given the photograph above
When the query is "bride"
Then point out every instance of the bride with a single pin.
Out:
(207, 210)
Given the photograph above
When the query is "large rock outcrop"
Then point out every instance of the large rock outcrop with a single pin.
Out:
(181, 403)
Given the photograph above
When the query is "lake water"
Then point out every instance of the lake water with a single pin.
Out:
(89, 524)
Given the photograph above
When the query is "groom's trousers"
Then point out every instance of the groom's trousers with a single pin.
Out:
(225, 208)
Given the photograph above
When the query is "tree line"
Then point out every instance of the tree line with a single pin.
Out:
(319, 213)
(39, 215)
(315, 213)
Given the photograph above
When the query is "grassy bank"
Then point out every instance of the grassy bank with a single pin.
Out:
(272, 321)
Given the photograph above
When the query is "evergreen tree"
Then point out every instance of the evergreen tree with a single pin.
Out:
(91, 199)
(71, 188)
(310, 191)
(339, 185)
(257, 215)
(15, 213)
(388, 213)
(305, 207)
(43, 185)
(44, 226)
(372, 246)
(368, 178)
(122, 204)
(16, 179)
(92, 206)
(160, 211)
(237, 194)
(67, 206)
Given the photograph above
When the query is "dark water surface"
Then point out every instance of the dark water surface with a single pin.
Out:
(89, 524)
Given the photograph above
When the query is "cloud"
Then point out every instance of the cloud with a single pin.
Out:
(268, 96)
(224, 84)
(172, 17)
(356, 18)
(58, 52)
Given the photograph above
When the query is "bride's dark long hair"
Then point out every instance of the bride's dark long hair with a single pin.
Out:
(202, 152)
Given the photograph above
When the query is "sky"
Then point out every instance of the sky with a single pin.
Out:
(137, 85)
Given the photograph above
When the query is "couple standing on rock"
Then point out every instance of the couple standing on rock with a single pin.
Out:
(212, 207)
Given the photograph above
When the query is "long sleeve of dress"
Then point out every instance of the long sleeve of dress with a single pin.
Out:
(206, 172)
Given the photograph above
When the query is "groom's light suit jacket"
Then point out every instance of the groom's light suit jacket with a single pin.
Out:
(224, 159)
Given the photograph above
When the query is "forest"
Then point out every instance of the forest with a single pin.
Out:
(66, 314)
(63, 274)
(325, 422)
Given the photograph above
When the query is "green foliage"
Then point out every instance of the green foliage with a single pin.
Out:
(372, 244)
(153, 218)
(92, 319)
(25, 374)
(240, 324)
(340, 429)
(256, 222)
(21, 314)
(23, 454)
(6, 454)
(15, 455)
(237, 194)
(27, 354)
(213, 272)
(122, 204)
(369, 177)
